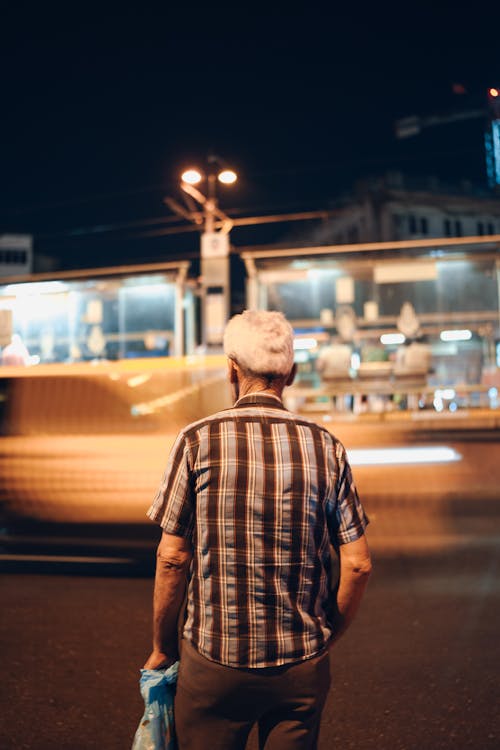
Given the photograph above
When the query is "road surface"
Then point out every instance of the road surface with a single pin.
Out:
(418, 669)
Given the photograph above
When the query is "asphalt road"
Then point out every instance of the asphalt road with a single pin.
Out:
(418, 669)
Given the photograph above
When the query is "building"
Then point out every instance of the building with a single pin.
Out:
(393, 208)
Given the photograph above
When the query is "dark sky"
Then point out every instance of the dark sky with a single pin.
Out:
(102, 109)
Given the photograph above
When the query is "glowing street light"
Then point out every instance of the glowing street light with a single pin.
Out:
(227, 177)
(214, 250)
(191, 177)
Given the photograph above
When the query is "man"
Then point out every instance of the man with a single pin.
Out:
(251, 500)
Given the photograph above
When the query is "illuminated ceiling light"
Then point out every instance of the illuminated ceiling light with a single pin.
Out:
(438, 454)
(227, 177)
(494, 92)
(457, 335)
(36, 287)
(191, 176)
(392, 338)
(305, 343)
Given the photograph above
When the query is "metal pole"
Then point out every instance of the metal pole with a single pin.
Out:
(211, 203)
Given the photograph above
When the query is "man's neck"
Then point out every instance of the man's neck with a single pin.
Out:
(253, 388)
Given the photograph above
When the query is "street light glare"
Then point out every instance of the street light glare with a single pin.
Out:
(191, 176)
(227, 177)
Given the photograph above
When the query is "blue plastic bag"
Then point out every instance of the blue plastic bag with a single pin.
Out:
(157, 730)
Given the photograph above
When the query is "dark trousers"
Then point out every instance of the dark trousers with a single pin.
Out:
(216, 706)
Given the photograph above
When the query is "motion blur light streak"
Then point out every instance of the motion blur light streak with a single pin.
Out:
(153, 406)
(137, 380)
(395, 456)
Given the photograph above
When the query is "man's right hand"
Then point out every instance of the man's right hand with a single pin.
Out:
(159, 660)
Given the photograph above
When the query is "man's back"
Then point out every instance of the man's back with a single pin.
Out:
(260, 490)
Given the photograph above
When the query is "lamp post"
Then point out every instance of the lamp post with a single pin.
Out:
(214, 249)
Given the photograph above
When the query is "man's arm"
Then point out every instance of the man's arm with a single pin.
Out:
(355, 569)
(172, 565)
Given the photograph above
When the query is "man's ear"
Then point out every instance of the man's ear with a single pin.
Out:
(292, 375)
(231, 371)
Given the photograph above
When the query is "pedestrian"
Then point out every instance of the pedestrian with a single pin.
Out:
(251, 504)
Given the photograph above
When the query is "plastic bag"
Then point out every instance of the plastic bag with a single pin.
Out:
(156, 730)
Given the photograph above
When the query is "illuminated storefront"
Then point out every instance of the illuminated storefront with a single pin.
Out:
(114, 313)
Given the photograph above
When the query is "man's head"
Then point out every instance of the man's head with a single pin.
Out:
(260, 344)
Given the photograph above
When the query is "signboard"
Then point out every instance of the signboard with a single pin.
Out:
(214, 245)
(215, 318)
(344, 290)
(394, 273)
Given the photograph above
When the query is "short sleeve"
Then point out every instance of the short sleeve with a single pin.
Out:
(173, 505)
(350, 520)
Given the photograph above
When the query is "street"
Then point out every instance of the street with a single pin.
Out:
(418, 669)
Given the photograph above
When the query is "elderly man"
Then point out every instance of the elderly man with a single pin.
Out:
(251, 503)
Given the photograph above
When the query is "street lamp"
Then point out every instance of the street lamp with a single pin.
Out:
(214, 250)
(192, 177)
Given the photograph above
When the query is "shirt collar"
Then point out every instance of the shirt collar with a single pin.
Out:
(260, 399)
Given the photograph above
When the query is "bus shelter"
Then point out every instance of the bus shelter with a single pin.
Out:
(420, 319)
(98, 314)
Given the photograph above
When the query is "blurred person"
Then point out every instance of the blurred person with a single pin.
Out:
(253, 503)
(16, 352)
(414, 356)
(333, 363)
(413, 361)
(334, 360)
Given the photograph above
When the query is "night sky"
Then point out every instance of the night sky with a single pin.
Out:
(102, 109)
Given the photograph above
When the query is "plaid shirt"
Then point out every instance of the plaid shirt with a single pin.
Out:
(261, 493)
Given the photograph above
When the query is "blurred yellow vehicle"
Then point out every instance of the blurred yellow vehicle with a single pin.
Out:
(88, 443)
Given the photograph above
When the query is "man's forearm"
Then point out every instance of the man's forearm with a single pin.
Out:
(349, 595)
(355, 569)
(169, 590)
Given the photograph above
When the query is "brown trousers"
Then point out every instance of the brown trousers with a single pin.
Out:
(216, 706)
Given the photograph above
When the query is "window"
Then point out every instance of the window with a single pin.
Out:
(412, 224)
(491, 228)
(17, 257)
(458, 228)
(480, 228)
(424, 225)
(447, 227)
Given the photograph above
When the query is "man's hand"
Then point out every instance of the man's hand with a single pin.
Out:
(159, 660)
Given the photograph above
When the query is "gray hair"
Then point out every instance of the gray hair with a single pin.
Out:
(261, 342)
